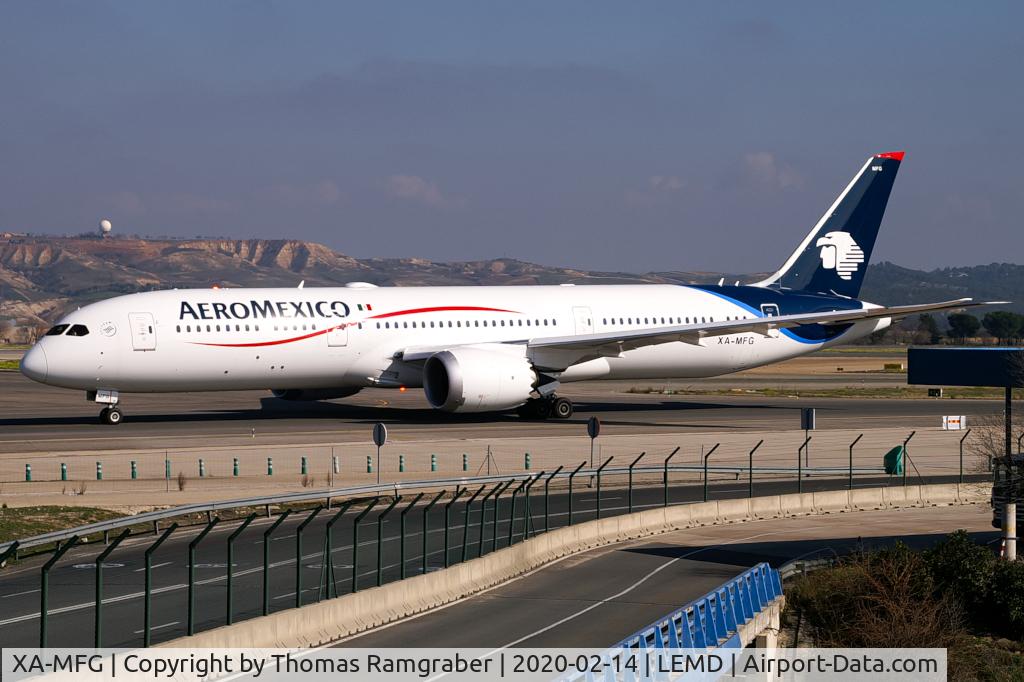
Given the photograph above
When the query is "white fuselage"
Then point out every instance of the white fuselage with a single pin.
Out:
(348, 337)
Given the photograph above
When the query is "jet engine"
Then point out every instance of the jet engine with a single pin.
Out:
(477, 380)
(313, 393)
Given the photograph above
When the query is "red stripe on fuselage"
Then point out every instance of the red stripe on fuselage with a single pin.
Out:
(413, 311)
(441, 309)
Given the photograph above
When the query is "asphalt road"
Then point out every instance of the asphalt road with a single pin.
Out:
(34, 417)
(72, 581)
(597, 598)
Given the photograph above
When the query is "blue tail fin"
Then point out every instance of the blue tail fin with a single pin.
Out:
(833, 258)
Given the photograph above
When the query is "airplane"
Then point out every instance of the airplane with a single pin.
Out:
(479, 348)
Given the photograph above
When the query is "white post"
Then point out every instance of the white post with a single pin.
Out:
(1010, 530)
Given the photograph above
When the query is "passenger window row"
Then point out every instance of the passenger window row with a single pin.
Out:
(227, 328)
(613, 321)
(610, 321)
(468, 323)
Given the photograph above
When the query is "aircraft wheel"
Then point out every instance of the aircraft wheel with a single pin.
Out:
(561, 408)
(543, 409)
(525, 411)
(111, 416)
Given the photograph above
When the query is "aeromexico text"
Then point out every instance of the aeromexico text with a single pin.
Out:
(246, 310)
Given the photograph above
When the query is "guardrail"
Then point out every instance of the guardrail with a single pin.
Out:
(714, 619)
(710, 622)
(467, 532)
(329, 494)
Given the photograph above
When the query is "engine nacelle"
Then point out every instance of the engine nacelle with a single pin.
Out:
(313, 393)
(477, 380)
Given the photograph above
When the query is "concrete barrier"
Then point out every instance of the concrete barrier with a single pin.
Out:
(830, 501)
(334, 619)
(733, 511)
(797, 504)
(766, 507)
(862, 499)
(909, 496)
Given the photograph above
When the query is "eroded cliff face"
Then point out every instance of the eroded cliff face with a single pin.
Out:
(286, 254)
(41, 277)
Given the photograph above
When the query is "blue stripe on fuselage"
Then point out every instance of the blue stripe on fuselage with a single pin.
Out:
(750, 299)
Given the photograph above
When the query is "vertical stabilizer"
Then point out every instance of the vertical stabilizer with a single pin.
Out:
(833, 258)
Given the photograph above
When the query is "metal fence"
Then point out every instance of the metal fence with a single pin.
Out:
(343, 540)
(271, 465)
(633, 474)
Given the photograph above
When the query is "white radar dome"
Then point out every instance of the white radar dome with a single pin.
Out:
(105, 226)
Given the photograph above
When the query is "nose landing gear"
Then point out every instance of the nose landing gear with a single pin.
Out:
(111, 414)
(546, 408)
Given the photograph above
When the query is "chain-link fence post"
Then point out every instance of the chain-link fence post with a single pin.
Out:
(401, 540)
(266, 558)
(664, 478)
(298, 553)
(147, 604)
(98, 611)
(380, 540)
(629, 498)
(426, 529)
(191, 629)
(355, 542)
(230, 618)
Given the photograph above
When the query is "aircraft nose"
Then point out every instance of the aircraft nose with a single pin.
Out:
(33, 365)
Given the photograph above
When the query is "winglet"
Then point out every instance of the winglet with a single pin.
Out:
(898, 156)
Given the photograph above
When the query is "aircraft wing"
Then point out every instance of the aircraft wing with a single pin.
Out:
(559, 352)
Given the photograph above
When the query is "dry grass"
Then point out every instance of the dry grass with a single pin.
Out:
(892, 598)
(22, 522)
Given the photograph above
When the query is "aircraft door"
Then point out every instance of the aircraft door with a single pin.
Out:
(143, 331)
(584, 320)
(338, 336)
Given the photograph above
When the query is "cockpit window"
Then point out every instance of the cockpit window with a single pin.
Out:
(78, 330)
(57, 330)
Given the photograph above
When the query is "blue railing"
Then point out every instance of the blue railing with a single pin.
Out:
(710, 622)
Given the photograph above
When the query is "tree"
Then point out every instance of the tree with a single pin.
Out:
(1002, 324)
(963, 325)
(927, 330)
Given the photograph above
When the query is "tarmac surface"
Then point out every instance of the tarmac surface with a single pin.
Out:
(597, 598)
(37, 418)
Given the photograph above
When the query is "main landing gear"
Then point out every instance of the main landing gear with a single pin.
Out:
(546, 408)
(111, 415)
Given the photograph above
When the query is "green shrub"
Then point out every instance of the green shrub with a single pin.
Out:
(1007, 599)
(963, 569)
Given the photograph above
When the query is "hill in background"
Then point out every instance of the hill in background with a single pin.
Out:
(41, 277)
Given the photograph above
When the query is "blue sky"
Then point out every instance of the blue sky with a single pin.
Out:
(622, 136)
